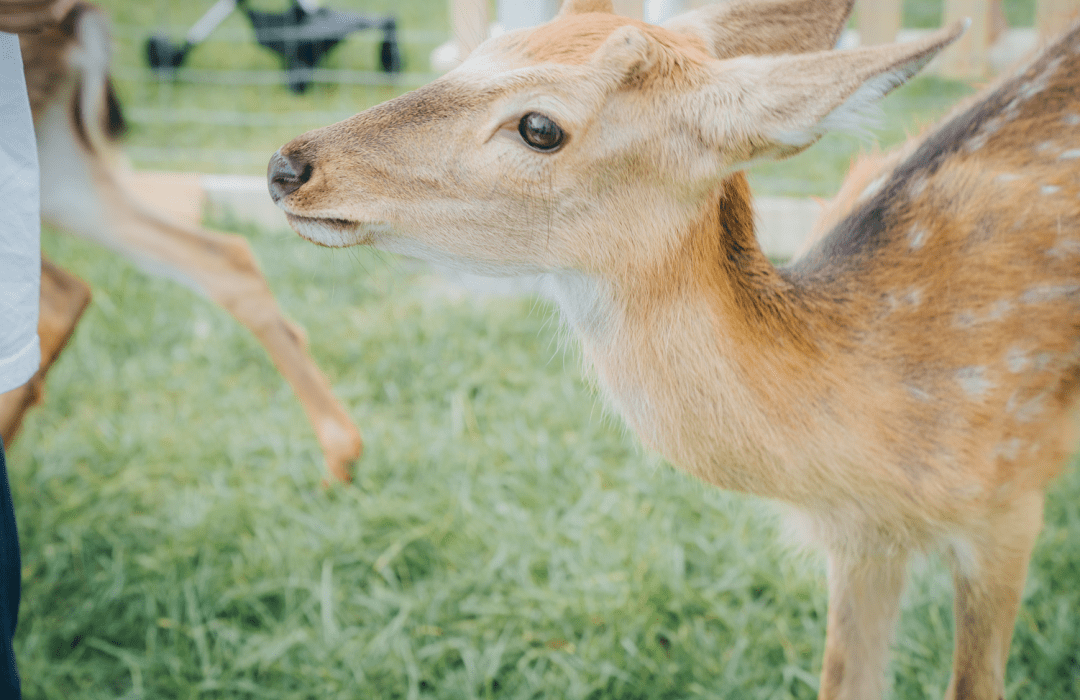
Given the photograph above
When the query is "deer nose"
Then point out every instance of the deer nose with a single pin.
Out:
(286, 174)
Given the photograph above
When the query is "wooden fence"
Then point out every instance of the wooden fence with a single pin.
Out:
(878, 22)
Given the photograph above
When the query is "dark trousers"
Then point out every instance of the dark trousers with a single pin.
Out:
(10, 587)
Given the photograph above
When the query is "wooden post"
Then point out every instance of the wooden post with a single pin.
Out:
(969, 57)
(879, 21)
(630, 8)
(469, 19)
(1054, 16)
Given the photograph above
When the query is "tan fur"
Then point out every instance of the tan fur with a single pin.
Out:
(85, 190)
(908, 384)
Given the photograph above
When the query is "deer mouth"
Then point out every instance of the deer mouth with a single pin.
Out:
(331, 232)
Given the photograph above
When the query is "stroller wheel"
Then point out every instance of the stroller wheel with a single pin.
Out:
(390, 56)
(163, 54)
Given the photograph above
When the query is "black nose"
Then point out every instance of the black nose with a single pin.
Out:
(286, 174)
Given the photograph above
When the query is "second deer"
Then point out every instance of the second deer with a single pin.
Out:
(86, 190)
(909, 384)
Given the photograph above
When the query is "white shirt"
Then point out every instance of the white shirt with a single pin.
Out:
(20, 223)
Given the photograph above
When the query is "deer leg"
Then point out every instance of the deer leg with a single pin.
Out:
(989, 581)
(864, 603)
(64, 297)
(223, 267)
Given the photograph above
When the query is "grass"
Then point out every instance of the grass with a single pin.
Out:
(504, 538)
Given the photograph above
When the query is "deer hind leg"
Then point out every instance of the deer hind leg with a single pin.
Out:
(234, 281)
(989, 581)
(64, 297)
(223, 267)
(864, 603)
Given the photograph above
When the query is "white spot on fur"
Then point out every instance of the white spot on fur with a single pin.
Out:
(1026, 411)
(1047, 147)
(1050, 189)
(917, 236)
(1071, 154)
(1030, 411)
(999, 310)
(965, 319)
(919, 394)
(976, 142)
(1048, 293)
(908, 297)
(973, 381)
(1072, 119)
(988, 129)
(1030, 90)
(918, 185)
(1017, 360)
(1006, 178)
(1010, 449)
(874, 187)
(1064, 249)
(1043, 360)
(1041, 82)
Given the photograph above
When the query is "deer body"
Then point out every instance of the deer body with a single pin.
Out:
(908, 384)
(85, 190)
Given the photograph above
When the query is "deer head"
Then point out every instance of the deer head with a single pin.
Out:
(589, 143)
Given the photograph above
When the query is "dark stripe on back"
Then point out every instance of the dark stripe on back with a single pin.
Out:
(873, 225)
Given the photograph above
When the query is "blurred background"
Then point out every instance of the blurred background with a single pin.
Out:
(227, 107)
(504, 537)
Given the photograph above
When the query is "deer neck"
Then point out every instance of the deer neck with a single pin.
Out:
(715, 358)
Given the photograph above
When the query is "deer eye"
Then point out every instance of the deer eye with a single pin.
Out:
(540, 132)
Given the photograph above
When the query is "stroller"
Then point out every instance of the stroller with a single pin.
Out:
(303, 35)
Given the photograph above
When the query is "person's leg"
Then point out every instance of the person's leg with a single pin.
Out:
(10, 586)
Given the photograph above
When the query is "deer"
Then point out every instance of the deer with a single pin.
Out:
(87, 190)
(907, 385)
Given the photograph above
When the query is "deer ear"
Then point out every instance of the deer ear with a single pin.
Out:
(626, 52)
(577, 7)
(775, 106)
(761, 27)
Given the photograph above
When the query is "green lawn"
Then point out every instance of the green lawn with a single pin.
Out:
(505, 537)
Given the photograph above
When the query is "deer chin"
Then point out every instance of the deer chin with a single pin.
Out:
(335, 233)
